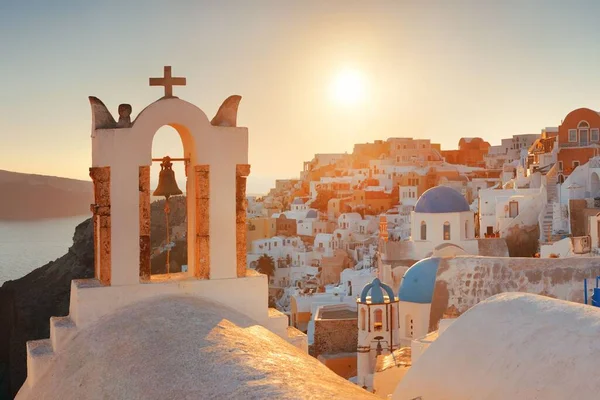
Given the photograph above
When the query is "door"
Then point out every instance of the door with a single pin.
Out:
(584, 137)
(513, 209)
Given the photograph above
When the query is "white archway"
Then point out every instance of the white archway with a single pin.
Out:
(594, 184)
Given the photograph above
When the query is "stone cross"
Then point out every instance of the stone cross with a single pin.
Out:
(168, 82)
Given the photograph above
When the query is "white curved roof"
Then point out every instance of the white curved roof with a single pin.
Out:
(183, 347)
(512, 346)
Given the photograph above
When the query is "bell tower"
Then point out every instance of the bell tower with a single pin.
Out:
(216, 165)
(378, 328)
(215, 154)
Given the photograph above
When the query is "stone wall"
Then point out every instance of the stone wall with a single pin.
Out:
(464, 281)
(523, 241)
(493, 247)
(335, 336)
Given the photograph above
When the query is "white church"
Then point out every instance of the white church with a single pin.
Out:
(208, 333)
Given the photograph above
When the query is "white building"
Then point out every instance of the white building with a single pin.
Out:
(324, 245)
(408, 195)
(498, 208)
(509, 150)
(442, 219)
(299, 204)
(349, 221)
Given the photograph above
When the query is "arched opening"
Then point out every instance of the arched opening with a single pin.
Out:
(446, 230)
(423, 230)
(378, 318)
(594, 184)
(168, 237)
(408, 326)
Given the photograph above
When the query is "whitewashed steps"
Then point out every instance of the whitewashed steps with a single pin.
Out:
(62, 330)
(39, 358)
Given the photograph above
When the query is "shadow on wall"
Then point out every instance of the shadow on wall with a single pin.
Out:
(523, 241)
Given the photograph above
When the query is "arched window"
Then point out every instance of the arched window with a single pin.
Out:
(363, 318)
(408, 330)
(423, 230)
(446, 230)
(378, 317)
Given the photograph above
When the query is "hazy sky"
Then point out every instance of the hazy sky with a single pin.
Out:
(430, 69)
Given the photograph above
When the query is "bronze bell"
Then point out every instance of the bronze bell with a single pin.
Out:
(167, 185)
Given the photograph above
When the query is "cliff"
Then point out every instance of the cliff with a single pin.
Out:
(30, 197)
(26, 304)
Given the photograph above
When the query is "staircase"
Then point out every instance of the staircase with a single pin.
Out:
(41, 353)
(546, 235)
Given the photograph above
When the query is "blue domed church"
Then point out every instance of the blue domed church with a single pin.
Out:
(443, 224)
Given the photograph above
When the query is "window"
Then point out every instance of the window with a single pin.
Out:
(595, 135)
(378, 317)
(575, 164)
(513, 209)
(423, 230)
(560, 165)
(408, 330)
(446, 230)
(561, 179)
(466, 229)
(572, 135)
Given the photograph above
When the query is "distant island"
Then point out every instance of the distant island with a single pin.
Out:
(32, 197)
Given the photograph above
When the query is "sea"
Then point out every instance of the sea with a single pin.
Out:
(27, 245)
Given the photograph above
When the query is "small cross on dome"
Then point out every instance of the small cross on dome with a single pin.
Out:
(168, 82)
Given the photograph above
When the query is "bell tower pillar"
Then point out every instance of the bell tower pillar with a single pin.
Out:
(102, 224)
(242, 172)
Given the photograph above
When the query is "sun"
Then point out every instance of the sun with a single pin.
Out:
(348, 87)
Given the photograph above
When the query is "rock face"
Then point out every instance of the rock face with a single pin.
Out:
(30, 197)
(26, 304)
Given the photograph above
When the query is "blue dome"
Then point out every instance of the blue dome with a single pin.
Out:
(419, 281)
(376, 288)
(312, 214)
(441, 199)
